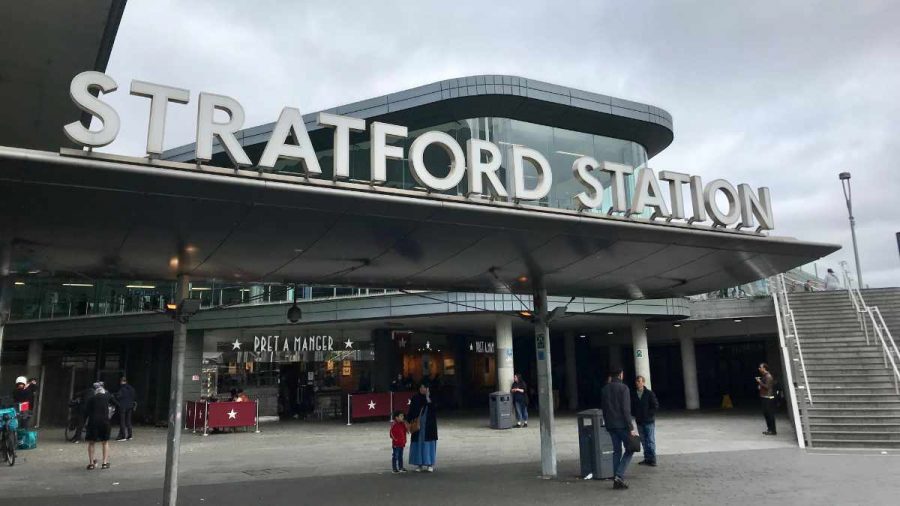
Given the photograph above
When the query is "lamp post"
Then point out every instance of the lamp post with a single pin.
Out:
(845, 184)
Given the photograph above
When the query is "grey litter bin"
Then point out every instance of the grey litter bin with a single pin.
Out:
(501, 410)
(594, 445)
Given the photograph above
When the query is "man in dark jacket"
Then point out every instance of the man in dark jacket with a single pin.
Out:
(643, 406)
(765, 382)
(615, 400)
(126, 398)
(520, 400)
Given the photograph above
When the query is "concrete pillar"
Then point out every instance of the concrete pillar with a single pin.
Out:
(641, 351)
(689, 371)
(33, 362)
(545, 381)
(571, 372)
(504, 349)
(6, 288)
(176, 397)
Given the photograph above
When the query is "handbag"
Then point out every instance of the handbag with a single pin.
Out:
(414, 426)
(633, 444)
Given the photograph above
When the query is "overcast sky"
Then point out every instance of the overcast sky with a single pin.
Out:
(781, 94)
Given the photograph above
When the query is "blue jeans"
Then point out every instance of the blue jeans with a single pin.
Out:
(521, 410)
(620, 461)
(648, 440)
(397, 459)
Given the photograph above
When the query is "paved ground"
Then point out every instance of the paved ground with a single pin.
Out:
(707, 458)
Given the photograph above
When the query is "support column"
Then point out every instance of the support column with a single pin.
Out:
(504, 351)
(571, 371)
(689, 371)
(641, 351)
(173, 440)
(6, 288)
(33, 363)
(545, 381)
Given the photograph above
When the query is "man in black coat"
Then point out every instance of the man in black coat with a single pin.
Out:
(643, 406)
(126, 398)
(615, 400)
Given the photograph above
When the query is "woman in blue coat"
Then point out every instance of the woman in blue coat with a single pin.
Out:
(423, 443)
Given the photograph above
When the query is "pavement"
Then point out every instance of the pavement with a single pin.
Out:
(705, 458)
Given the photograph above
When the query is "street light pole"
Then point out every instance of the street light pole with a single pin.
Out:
(848, 197)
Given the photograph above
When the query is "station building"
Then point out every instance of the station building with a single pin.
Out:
(430, 288)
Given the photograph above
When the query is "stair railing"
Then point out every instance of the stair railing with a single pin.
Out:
(872, 315)
(788, 339)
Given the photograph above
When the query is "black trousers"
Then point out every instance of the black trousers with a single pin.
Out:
(125, 423)
(768, 407)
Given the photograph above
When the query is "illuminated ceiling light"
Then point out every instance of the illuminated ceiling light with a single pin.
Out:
(609, 333)
(78, 284)
(525, 314)
(173, 263)
(141, 287)
(582, 336)
(19, 283)
(245, 289)
(738, 320)
(34, 272)
(522, 279)
(200, 288)
(190, 248)
(676, 325)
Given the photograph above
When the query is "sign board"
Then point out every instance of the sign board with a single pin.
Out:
(477, 162)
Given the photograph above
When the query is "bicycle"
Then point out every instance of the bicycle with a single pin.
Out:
(75, 424)
(8, 440)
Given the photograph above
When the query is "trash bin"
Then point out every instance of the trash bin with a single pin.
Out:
(594, 446)
(501, 410)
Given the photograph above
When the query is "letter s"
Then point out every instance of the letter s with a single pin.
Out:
(80, 91)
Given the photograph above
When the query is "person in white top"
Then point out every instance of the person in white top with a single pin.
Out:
(831, 281)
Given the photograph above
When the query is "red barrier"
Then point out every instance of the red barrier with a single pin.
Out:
(369, 405)
(202, 415)
(402, 401)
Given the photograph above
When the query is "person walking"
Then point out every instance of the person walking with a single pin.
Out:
(423, 430)
(831, 281)
(615, 400)
(126, 398)
(765, 382)
(519, 392)
(398, 442)
(643, 406)
(98, 424)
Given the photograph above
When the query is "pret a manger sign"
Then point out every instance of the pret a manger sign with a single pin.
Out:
(478, 161)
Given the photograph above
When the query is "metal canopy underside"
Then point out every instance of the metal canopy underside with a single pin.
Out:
(104, 219)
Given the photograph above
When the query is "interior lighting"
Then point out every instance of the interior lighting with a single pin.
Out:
(609, 333)
(738, 320)
(20, 283)
(141, 287)
(525, 314)
(582, 336)
(200, 288)
(522, 279)
(78, 284)
(676, 325)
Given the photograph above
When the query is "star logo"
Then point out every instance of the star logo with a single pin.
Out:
(402, 343)
(427, 345)
(232, 415)
(348, 344)
(236, 345)
(408, 402)
(371, 405)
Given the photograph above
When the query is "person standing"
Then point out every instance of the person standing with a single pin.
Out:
(126, 398)
(831, 281)
(98, 424)
(765, 382)
(643, 406)
(519, 392)
(398, 442)
(23, 397)
(423, 440)
(615, 400)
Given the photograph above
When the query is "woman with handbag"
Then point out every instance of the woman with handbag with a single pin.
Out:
(423, 431)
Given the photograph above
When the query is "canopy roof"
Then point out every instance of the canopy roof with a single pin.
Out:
(88, 216)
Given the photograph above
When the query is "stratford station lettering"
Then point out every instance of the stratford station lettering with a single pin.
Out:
(744, 208)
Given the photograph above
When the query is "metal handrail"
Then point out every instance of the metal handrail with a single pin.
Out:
(788, 371)
(879, 330)
(794, 335)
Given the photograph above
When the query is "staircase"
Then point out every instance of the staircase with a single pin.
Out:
(855, 401)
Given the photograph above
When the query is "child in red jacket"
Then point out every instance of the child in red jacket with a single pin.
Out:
(398, 441)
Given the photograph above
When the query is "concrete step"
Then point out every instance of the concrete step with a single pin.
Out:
(817, 383)
(854, 420)
(856, 442)
(841, 354)
(856, 411)
(842, 435)
(858, 362)
(845, 347)
(840, 369)
(816, 425)
(880, 375)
